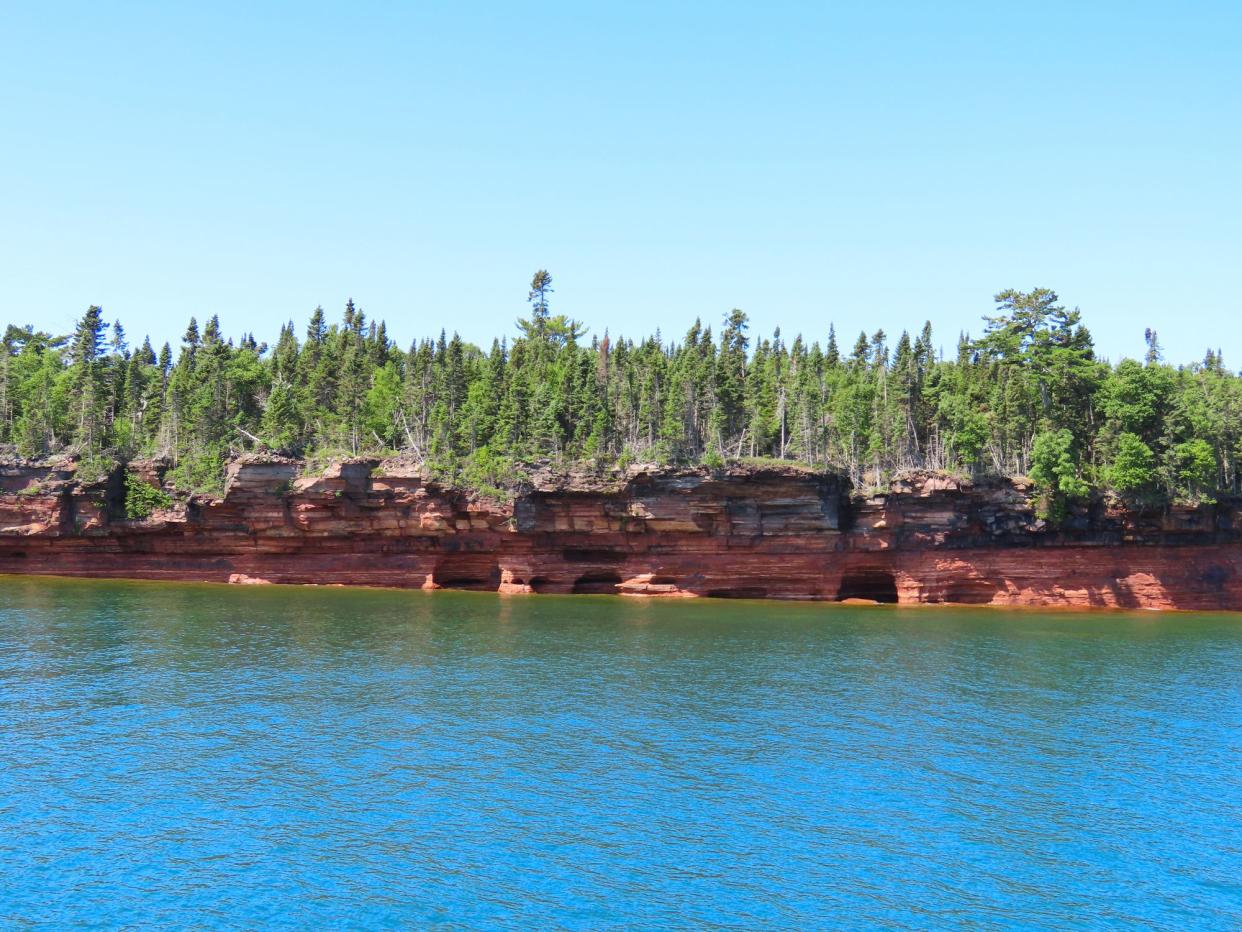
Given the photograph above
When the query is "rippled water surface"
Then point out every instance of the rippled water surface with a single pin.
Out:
(203, 756)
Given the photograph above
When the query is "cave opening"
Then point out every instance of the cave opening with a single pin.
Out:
(471, 583)
(467, 571)
(738, 592)
(597, 583)
(970, 592)
(871, 585)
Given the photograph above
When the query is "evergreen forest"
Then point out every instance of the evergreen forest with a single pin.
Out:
(1027, 397)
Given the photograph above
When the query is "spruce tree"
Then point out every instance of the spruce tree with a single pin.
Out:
(87, 380)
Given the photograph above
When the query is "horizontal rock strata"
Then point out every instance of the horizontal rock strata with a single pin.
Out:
(743, 532)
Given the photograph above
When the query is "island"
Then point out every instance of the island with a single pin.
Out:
(1019, 469)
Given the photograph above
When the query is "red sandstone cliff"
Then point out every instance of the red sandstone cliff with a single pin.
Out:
(743, 532)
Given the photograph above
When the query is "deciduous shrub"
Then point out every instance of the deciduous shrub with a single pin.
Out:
(142, 499)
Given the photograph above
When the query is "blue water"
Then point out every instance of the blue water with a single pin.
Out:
(214, 757)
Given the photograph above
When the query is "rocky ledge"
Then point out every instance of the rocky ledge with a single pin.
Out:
(740, 532)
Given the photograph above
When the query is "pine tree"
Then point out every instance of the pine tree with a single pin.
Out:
(728, 417)
(87, 380)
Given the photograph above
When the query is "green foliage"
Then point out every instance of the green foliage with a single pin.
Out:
(1054, 465)
(490, 475)
(1135, 397)
(87, 378)
(95, 468)
(1133, 469)
(280, 426)
(383, 401)
(1195, 472)
(142, 499)
(1028, 396)
(201, 472)
(1056, 472)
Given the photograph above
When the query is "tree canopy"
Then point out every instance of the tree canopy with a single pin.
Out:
(1028, 397)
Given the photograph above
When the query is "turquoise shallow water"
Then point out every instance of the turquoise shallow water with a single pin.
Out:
(197, 756)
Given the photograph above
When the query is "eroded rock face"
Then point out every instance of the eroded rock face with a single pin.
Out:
(745, 532)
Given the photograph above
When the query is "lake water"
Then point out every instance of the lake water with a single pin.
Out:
(199, 756)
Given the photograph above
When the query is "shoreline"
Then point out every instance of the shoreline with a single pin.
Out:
(745, 532)
(701, 601)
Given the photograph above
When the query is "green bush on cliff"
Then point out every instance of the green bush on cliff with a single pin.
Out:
(142, 499)
(1133, 470)
(94, 468)
(1195, 472)
(485, 473)
(202, 473)
(1055, 472)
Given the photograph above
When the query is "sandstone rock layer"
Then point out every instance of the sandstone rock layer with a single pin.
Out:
(744, 532)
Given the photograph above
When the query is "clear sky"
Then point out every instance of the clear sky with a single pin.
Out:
(869, 163)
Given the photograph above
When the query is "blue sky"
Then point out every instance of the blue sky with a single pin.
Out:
(871, 164)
